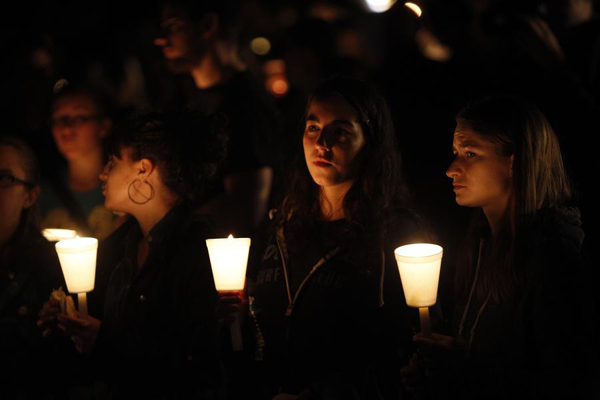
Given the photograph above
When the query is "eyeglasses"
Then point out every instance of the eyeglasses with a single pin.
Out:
(65, 122)
(8, 180)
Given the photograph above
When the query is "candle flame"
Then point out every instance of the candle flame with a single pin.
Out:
(415, 8)
(230, 236)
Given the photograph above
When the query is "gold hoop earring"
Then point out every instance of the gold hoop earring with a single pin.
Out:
(147, 198)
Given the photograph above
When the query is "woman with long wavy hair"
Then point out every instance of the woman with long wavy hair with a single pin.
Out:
(330, 315)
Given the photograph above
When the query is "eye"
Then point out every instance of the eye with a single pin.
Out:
(342, 135)
(311, 130)
(470, 154)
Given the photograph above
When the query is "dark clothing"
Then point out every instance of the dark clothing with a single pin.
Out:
(330, 312)
(29, 270)
(531, 344)
(159, 320)
(253, 119)
(253, 127)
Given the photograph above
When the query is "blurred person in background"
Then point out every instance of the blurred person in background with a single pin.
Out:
(72, 195)
(200, 39)
(29, 270)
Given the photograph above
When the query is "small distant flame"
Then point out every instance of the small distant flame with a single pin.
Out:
(415, 8)
(230, 237)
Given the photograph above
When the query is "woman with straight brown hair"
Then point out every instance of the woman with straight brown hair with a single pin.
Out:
(519, 319)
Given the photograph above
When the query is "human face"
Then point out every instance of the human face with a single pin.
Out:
(480, 175)
(76, 127)
(180, 44)
(118, 174)
(333, 139)
(16, 197)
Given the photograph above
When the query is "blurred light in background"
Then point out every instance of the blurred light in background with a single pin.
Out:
(431, 47)
(276, 81)
(415, 8)
(379, 6)
(260, 46)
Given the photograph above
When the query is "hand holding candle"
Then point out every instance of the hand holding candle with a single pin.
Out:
(419, 265)
(78, 262)
(228, 260)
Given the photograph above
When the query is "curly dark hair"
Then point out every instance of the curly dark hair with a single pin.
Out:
(188, 148)
(379, 189)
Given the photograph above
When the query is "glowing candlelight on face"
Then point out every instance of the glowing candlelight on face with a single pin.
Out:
(78, 262)
(419, 266)
(54, 235)
(414, 8)
(228, 260)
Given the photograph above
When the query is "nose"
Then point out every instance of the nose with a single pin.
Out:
(454, 169)
(324, 141)
(104, 174)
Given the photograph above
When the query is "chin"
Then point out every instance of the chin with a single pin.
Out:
(323, 180)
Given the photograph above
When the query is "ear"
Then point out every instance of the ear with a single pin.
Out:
(146, 168)
(31, 197)
(210, 25)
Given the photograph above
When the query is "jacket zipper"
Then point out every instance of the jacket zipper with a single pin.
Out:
(319, 264)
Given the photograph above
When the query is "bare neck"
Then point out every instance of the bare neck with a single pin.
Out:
(216, 67)
(83, 172)
(332, 201)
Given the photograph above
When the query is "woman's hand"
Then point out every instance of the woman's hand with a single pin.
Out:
(232, 305)
(48, 316)
(83, 332)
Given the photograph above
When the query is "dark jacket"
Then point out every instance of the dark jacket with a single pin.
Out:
(159, 320)
(531, 344)
(330, 312)
(29, 270)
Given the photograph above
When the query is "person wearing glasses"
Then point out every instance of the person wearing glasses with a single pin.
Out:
(72, 196)
(28, 271)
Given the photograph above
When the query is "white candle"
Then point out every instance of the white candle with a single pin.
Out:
(228, 260)
(419, 266)
(54, 235)
(78, 262)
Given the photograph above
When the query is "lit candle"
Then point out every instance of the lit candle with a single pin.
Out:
(228, 260)
(419, 265)
(78, 262)
(54, 235)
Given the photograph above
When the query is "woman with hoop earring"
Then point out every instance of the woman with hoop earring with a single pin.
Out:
(159, 310)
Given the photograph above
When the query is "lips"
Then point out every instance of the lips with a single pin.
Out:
(458, 187)
(322, 163)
